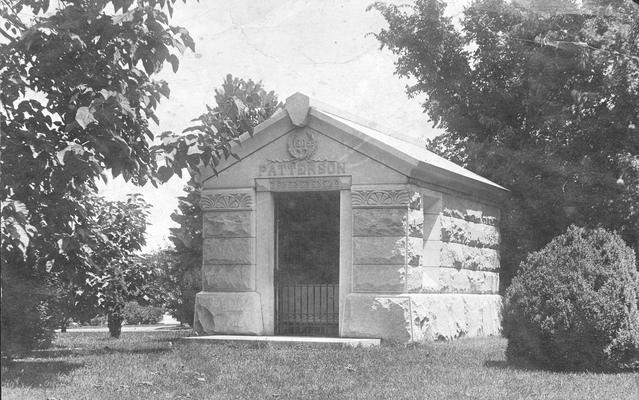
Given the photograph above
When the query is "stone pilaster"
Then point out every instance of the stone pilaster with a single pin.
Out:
(381, 249)
(228, 302)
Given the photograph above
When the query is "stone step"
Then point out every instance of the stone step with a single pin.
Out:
(345, 342)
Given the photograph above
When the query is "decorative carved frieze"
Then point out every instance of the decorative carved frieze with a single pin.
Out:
(380, 198)
(226, 201)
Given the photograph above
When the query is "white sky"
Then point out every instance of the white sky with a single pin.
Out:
(317, 47)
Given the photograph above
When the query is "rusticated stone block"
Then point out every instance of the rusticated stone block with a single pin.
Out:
(227, 224)
(469, 233)
(378, 278)
(414, 250)
(228, 251)
(379, 250)
(421, 317)
(451, 280)
(415, 201)
(228, 313)
(469, 210)
(373, 316)
(461, 256)
(451, 316)
(415, 223)
(379, 222)
(414, 279)
(235, 278)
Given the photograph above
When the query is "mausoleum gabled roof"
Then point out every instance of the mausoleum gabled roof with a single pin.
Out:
(421, 166)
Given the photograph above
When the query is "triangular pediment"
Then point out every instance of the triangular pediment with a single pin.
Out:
(307, 140)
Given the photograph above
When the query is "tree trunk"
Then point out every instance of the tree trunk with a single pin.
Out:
(63, 325)
(114, 321)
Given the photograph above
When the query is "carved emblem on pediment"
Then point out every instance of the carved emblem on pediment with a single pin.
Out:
(302, 144)
(380, 198)
(221, 201)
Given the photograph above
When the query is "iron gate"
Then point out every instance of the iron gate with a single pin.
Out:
(307, 309)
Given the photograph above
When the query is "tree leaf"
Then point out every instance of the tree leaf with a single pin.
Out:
(175, 63)
(84, 117)
(165, 173)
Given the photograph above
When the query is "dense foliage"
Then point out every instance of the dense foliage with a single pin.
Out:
(240, 106)
(573, 304)
(183, 276)
(77, 99)
(136, 314)
(539, 96)
(118, 275)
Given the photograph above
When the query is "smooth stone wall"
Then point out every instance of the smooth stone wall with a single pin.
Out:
(228, 277)
(377, 316)
(228, 250)
(228, 313)
(385, 250)
(379, 222)
(227, 224)
(379, 278)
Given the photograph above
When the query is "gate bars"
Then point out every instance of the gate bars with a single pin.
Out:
(307, 309)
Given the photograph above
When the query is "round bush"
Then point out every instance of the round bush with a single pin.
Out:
(573, 304)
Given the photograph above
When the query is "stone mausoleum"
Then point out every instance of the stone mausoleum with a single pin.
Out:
(330, 227)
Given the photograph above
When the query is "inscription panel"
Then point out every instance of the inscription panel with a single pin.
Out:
(303, 184)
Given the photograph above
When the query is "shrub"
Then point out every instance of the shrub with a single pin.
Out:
(26, 323)
(573, 304)
(134, 313)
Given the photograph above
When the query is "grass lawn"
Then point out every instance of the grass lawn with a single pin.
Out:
(156, 365)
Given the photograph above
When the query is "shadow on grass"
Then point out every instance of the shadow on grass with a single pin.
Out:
(501, 364)
(531, 367)
(96, 351)
(36, 373)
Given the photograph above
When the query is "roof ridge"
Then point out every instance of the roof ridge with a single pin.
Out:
(327, 108)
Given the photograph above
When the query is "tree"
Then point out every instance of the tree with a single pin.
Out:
(539, 96)
(240, 106)
(77, 96)
(117, 273)
(183, 274)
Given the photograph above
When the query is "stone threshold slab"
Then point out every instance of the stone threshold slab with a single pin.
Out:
(347, 342)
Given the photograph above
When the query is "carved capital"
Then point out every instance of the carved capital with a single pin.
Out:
(380, 198)
(226, 201)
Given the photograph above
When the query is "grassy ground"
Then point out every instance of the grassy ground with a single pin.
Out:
(157, 365)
